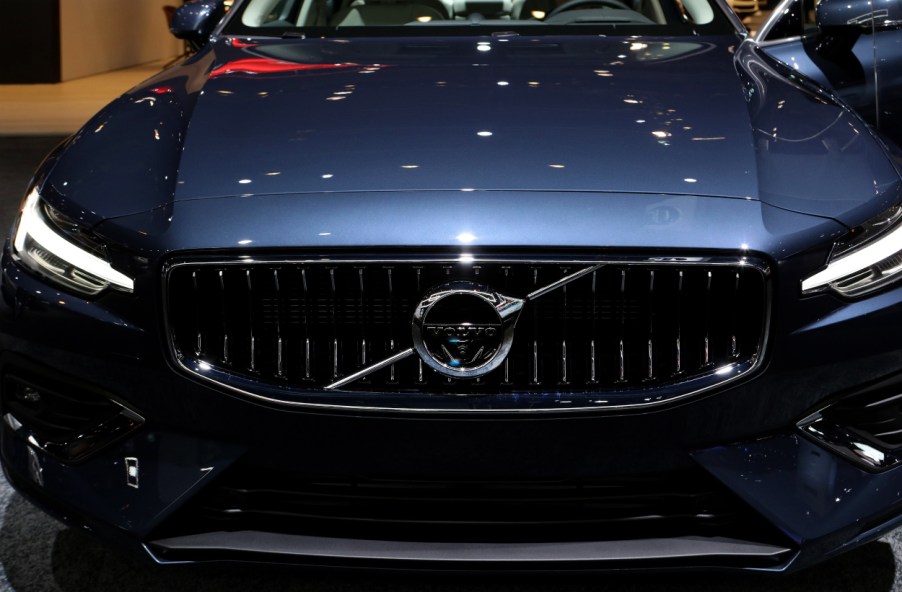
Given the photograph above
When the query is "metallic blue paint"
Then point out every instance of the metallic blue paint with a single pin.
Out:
(323, 146)
(295, 135)
(808, 493)
(195, 21)
(852, 53)
(548, 119)
(574, 219)
(126, 158)
(882, 14)
(804, 138)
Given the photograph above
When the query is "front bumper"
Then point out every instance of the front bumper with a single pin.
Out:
(141, 489)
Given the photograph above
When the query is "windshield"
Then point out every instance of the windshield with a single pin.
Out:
(318, 18)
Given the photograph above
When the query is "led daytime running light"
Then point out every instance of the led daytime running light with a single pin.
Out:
(876, 251)
(32, 224)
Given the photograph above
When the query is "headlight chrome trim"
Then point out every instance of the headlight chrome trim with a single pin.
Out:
(37, 244)
(861, 270)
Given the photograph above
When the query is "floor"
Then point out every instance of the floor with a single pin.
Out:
(38, 554)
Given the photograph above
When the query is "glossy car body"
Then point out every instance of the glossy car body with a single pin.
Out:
(673, 255)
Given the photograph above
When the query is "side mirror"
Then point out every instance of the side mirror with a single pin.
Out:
(195, 21)
(859, 14)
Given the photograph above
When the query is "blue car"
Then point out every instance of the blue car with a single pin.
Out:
(472, 285)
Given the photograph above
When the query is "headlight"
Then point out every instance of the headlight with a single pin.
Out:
(869, 258)
(53, 245)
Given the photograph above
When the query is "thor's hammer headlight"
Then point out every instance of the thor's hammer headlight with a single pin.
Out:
(867, 259)
(56, 247)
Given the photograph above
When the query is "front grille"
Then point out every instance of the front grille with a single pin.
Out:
(668, 505)
(649, 327)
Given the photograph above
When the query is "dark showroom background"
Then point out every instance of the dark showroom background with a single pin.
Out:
(64, 60)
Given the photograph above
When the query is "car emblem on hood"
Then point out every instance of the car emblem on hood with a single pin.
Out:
(463, 329)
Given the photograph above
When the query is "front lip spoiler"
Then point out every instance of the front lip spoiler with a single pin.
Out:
(687, 551)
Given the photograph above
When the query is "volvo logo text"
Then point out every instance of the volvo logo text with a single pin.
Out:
(462, 331)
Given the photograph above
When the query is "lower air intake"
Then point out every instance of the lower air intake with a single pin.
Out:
(676, 518)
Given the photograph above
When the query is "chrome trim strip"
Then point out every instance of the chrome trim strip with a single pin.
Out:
(765, 44)
(690, 549)
(83, 444)
(245, 261)
(729, 373)
(562, 282)
(369, 370)
(734, 19)
(860, 451)
(765, 29)
(217, 31)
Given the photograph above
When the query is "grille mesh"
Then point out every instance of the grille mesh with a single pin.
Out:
(627, 325)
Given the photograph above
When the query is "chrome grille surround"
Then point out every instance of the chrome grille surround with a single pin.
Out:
(346, 344)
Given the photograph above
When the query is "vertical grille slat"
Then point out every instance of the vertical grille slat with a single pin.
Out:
(563, 362)
(250, 315)
(678, 370)
(392, 316)
(706, 358)
(333, 315)
(593, 334)
(651, 325)
(362, 312)
(225, 318)
(621, 374)
(304, 325)
(734, 340)
(280, 359)
(198, 341)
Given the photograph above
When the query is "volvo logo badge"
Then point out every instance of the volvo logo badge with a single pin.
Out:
(463, 329)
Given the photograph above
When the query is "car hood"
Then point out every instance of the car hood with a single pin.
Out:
(506, 114)
(706, 116)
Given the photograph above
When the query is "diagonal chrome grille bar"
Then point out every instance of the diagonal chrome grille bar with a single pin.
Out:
(370, 369)
(563, 282)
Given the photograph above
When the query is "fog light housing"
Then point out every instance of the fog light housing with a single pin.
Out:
(68, 422)
(865, 427)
